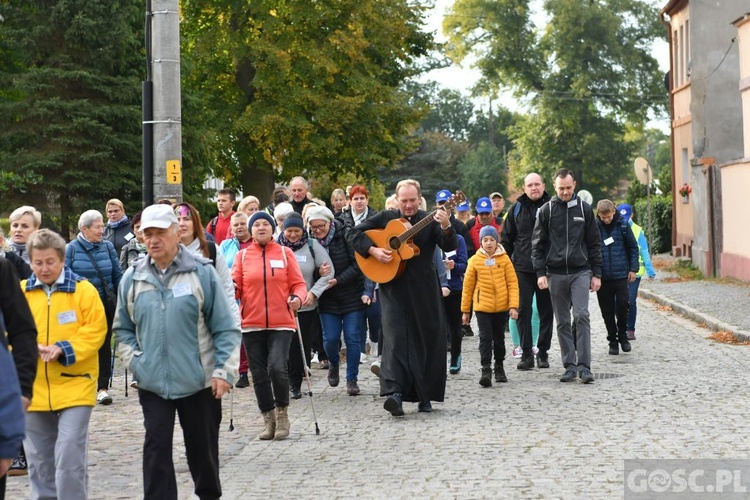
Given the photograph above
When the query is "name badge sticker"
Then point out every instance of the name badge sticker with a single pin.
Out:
(302, 258)
(609, 241)
(66, 317)
(489, 262)
(129, 236)
(572, 203)
(277, 264)
(181, 290)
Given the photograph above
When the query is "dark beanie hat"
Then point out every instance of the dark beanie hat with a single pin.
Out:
(261, 215)
(294, 220)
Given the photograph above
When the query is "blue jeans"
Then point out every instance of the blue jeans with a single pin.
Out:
(632, 297)
(352, 325)
(372, 315)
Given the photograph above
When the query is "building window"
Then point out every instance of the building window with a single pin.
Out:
(686, 45)
(685, 167)
(676, 56)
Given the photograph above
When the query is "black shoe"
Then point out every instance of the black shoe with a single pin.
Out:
(333, 376)
(425, 407)
(541, 362)
(393, 405)
(586, 376)
(614, 349)
(242, 382)
(625, 345)
(526, 363)
(295, 392)
(324, 365)
(500, 373)
(486, 379)
(352, 388)
(19, 467)
(568, 376)
(467, 331)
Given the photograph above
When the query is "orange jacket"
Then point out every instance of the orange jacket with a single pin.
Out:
(264, 279)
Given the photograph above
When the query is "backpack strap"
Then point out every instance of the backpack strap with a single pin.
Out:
(212, 253)
(214, 221)
(310, 246)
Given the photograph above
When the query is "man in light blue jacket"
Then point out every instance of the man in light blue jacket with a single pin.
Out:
(177, 335)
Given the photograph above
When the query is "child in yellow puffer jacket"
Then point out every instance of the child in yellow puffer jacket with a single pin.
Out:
(491, 285)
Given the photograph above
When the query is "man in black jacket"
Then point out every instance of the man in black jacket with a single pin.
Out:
(516, 239)
(567, 257)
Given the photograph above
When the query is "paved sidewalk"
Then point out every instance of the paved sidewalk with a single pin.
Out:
(676, 395)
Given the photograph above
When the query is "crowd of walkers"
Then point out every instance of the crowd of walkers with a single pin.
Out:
(259, 295)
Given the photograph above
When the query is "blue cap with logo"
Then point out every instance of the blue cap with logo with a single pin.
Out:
(442, 195)
(484, 205)
(625, 210)
(463, 207)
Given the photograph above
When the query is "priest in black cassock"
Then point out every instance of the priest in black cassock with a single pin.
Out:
(413, 366)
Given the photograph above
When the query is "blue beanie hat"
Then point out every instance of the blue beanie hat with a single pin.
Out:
(294, 220)
(488, 231)
(261, 215)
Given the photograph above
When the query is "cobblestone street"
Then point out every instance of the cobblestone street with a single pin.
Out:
(676, 395)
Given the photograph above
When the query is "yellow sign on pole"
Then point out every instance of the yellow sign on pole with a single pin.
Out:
(174, 172)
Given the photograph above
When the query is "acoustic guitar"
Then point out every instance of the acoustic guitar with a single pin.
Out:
(397, 236)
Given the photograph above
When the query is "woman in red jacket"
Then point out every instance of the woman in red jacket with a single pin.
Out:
(270, 287)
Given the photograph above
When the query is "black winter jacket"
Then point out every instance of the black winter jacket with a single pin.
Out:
(619, 248)
(566, 239)
(518, 230)
(346, 296)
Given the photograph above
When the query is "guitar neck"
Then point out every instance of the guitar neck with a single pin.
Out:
(412, 231)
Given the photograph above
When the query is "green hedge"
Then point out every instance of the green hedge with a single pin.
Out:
(660, 238)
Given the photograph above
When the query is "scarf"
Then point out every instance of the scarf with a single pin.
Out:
(20, 249)
(115, 225)
(296, 245)
(327, 240)
(359, 218)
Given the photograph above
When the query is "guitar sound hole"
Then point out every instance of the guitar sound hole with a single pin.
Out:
(394, 243)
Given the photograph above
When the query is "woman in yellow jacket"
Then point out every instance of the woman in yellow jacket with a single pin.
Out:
(71, 326)
(491, 285)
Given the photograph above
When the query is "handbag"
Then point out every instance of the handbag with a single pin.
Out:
(111, 303)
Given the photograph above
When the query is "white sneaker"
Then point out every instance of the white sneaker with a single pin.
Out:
(375, 368)
(314, 358)
(535, 350)
(517, 352)
(103, 398)
(362, 357)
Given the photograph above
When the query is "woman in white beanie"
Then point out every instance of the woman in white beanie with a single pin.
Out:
(341, 306)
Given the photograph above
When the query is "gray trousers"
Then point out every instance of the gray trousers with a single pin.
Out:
(566, 290)
(56, 449)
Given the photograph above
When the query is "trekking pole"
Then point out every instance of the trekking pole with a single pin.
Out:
(307, 374)
(231, 409)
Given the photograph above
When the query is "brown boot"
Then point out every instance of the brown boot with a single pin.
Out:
(269, 418)
(282, 423)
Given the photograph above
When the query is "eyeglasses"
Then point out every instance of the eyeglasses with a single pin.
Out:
(319, 227)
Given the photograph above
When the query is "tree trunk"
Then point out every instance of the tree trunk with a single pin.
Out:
(258, 181)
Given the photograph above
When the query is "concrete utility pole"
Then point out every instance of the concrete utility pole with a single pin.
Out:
(167, 115)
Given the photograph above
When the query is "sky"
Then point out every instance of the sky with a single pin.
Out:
(462, 78)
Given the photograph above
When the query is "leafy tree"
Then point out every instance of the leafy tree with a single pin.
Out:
(585, 74)
(70, 115)
(483, 170)
(301, 87)
(451, 113)
(434, 165)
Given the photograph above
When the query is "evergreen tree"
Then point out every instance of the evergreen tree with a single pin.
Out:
(70, 134)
